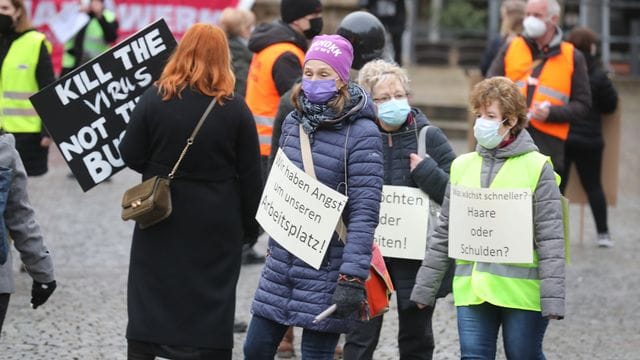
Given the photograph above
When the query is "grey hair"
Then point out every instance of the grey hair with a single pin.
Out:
(553, 8)
(376, 71)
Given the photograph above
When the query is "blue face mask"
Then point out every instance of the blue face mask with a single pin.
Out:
(319, 91)
(394, 112)
(487, 132)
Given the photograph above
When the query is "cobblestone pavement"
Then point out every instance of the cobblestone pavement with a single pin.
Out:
(86, 316)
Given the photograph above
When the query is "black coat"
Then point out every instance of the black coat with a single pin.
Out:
(183, 270)
(587, 132)
(431, 176)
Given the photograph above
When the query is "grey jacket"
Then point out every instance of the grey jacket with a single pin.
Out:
(20, 220)
(548, 232)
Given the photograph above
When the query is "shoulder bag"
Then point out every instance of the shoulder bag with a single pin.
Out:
(149, 203)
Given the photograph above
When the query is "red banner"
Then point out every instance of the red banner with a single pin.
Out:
(133, 15)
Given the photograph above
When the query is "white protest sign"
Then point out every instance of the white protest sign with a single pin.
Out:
(404, 218)
(298, 211)
(68, 22)
(491, 225)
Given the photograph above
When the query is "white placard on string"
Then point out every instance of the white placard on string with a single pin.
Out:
(491, 225)
(298, 211)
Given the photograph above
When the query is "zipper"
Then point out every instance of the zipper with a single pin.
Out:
(389, 140)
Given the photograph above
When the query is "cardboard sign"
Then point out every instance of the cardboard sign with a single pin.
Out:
(491, 225)
(298, 211)
(86, 112)
(404, 219)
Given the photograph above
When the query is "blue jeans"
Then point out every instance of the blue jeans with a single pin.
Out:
(522, 332)
(264, 335)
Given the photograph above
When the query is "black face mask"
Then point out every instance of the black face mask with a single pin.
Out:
(6, 24)
(315, 29)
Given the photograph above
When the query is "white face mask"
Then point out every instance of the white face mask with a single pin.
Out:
(534, 27)
(487, 132)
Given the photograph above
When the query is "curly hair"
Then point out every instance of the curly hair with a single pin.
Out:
(505, 92)
(377, 71)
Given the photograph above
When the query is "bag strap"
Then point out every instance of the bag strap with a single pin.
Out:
(422, 141)
(192, 137)
(307, 163)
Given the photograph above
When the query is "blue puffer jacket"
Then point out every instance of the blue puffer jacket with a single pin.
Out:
(291, 292)
(431, 176)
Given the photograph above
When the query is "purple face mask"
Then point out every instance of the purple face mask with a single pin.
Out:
(319, 91)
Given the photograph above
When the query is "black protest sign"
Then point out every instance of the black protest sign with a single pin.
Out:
(86, 112)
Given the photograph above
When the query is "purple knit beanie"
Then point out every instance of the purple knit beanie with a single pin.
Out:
(334, 50)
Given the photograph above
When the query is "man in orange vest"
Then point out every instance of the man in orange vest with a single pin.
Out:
(551, 74)
(279, 49)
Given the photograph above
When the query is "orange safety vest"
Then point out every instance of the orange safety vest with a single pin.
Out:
(553, 84)
(262, 95)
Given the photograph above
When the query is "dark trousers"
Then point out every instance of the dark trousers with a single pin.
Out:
(550, 146)
(396, 39)
(4, 304)
(588, 162)
(415, 336)
(140, 350)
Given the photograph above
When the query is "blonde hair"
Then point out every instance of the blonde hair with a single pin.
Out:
(376, 71)
(233, 21)
(500, 89)
(22, 23)
(514, 11)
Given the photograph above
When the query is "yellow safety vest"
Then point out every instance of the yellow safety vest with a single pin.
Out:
(93, 44)
(18, 82)
(507, 285)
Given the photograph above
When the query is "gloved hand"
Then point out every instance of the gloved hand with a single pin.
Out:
(40, 293)
(348, 297)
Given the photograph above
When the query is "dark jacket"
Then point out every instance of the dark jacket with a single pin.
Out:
(588, 132)
(183, 270)
(286, 69)
(34, 157)
(579, 103)
(240, 60)
(431, 176)
(291, 292)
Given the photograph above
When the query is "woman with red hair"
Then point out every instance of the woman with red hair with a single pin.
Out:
(183, 271)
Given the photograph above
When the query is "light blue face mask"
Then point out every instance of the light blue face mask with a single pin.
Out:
(487, 132)
(394, 112)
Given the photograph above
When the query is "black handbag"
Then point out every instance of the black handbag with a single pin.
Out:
(149, 203)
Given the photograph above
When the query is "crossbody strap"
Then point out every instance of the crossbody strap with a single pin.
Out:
(307, 163)
(192, 137)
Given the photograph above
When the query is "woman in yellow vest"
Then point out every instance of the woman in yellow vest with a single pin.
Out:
(26, 68)
(520, 298)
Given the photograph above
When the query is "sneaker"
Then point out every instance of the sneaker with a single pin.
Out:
(239, 326)
(604, 240)
(285, 348)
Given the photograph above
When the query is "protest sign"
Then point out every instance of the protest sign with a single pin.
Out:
(86, 111)
(491, 225)
(298, 211)
(68, 22)
(404, 219)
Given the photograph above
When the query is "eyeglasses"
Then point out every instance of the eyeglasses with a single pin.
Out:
(384, 98)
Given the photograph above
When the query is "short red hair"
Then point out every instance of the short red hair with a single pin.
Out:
(202, 62)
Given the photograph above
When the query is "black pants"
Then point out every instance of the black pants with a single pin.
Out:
(550, 146)
(415, 336)
(4, 304)
(588, 162)
(140, 350)
(396, 40)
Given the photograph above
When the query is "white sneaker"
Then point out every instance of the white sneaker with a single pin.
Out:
(604, 240)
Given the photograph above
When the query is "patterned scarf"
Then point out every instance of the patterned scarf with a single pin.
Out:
(316, 115)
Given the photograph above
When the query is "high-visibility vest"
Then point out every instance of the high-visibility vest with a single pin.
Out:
(18, 82)
(93, 43)
(553, 83)
(262, 94)
(514, 286)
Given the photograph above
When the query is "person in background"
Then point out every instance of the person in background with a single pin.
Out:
(512, 15)
(399, 126)
(238, 25)
(393, 14)
(519, 298)
(25, 56)
(551, 75)
(337, 116)
(93, 39)
(20, 223)
(184, 270)
(585, 143)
